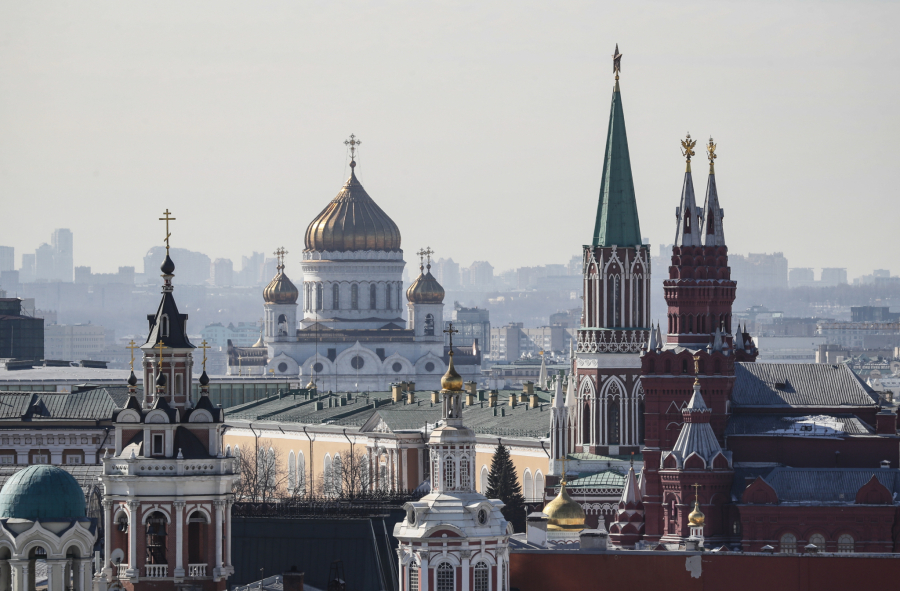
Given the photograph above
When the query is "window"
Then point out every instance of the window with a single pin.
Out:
(318, 296)
(612, 422)
(73, 460)
(445, 576)
(387, 296)
(817, 540)
(301, 474)
(156, 538)
(335, 297)
(464, 473)
(165, 326)
(449, 474)
(527, 486)
(196, 537)
(354, 297)
(292, 472)
(613, 309)
(158, 442)
(429, 325)
(337, 475)
(539, 487)
(484, 480)
(845, 543)
(7, 459)
(789, 544)
(481, 576)
(40, 459)
(413, 577)
(326, 475)
(372, 300)
(365, 485)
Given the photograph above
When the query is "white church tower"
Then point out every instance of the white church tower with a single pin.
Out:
(280, 298)
(453, 538)
(426, 302)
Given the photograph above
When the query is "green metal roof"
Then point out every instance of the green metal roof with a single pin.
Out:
(605, 479)
(617, 215)
(42, 492)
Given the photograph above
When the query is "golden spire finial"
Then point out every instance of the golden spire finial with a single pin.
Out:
(617, 62)
(697, 369)
(279, 254)
(131, 346)
(204, 345)
(451, 380)
(167, 219)
(687, 150)
(352, 142)
(711, 154)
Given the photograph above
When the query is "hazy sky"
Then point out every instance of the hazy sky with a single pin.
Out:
(483, 123)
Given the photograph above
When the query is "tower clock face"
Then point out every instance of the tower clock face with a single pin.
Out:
(482, 516)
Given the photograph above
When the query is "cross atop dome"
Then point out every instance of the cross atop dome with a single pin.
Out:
(279, 254)
(352, 142)
(167, 219)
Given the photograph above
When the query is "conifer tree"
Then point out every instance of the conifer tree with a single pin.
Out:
(503, 484)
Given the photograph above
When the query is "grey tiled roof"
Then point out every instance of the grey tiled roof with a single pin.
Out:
(91, 405)
(798, 385)
(754, 424)
(827, 485)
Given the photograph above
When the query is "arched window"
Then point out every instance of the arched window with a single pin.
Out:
(282, 325)
(413, 577)
(484, 480)
(387, 296)
(528, 486)
(612, 422)
(382, 477)
(271, 471)
(613, 301)
(639, 305)
(364, 485)
(464, 473)
(197, 525)
(354, 297)
(335, 297)
(586, 424)
(373, 304)
(156, 538)
(429, 325)
(845, 543)
(164, 330)
(337, 475)
(449, 480)
(817, 540)
(318, 296)
(690, 323)
(668, 366)
(301, 474)
(292, 472)
(788, 544)
(539, 487)
(445, 577)
(684, 366)
(482, 576)
(326, 475)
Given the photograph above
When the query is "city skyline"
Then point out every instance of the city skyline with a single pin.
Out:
(239, 126)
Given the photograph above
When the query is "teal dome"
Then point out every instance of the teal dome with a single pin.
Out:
(42, 492)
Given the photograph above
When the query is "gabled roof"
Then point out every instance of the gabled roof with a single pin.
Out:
(783, 424)
(177, 337)
(617, 215)
(789, 385)
(88, 405)
(828, 485)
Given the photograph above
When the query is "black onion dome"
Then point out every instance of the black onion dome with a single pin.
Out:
(425, 289)
(161, 380)
(352, 221)
(168, 267)
(132, 379)
(204, 379)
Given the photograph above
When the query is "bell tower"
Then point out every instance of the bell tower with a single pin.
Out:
(615, 321)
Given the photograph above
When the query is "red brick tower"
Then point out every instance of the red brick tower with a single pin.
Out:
(615, 322)
(699, 344)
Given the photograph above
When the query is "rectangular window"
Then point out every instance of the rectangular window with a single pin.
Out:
(158, 444)
(7, 459)
(40, 459)
(73, 460)
(178, 382)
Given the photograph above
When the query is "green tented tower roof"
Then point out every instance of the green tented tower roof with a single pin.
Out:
(617, 216)
(42, 492)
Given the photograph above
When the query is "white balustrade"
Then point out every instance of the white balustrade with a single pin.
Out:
(196, 570)
(156, 571)
(120, 570)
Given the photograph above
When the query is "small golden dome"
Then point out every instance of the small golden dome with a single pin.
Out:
(352, 221)
(260, 343)
(311, 385)
(696, 517)
(425, 289)
(451, 380)
(281, 290)
(564, 514)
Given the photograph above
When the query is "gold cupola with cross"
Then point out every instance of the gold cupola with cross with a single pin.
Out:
(425, 298)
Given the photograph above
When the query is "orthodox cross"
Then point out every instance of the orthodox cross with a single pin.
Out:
(421, 255)
(687, 147)
(563, 460)
(696, 488)
(451, 331)
(279, 254)
(167, 219)
(159, 363)
(428, 252)
(204, 345)
(617, 61)
(131, 346)
(352, 142)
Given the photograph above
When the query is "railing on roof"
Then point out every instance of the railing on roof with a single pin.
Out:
(374, 503)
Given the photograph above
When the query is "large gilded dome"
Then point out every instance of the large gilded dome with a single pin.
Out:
(352, 221)
(425, 289)
(563, 513)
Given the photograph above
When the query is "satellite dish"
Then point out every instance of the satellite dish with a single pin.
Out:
(895, 368)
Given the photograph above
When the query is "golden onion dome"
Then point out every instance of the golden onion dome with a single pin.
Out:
(425, 289)
(696, 517)
(352, 221)
(281, 289)
(451, 380)
(564, 514)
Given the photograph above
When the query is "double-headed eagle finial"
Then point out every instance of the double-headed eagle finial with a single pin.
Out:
(687, 149)
(711, 154)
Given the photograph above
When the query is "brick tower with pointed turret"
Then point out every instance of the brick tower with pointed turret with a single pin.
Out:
(615, 321)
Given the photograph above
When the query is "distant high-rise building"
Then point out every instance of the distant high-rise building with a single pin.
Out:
(447, 273)
(222, 273)
(802, 277)
(63, 254)
(26, 273)
(44, 266)
(832, 276)
(7, 258)
(479, 275)
(251, 272)
(760, 270)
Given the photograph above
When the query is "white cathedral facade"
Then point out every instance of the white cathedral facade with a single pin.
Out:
(352, 334)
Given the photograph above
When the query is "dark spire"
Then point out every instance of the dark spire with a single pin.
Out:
(713, 234)
(688, 231)
(617, 215)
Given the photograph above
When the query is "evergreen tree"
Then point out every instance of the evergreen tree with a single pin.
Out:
(503, 484)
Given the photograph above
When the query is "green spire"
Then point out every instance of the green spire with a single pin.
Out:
(617, 216)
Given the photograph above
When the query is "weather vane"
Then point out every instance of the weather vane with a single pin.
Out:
(711, 154)
(204, 345)
(617, 61)
(352, 142)
(451, 331)
(279, 253)
(131, 345)
(167, 219)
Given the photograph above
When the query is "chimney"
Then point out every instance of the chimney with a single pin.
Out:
(534, 401)
(536, 529)
(886, 464)
(512, 400)
(593, 539)
(410, 397)
(470, 399)
(886, 422)
(292, 580)
(411, 386)
(481, 395)
(435, 397)
(528, 388)
(396, 392)
(492, 398)
(470, 387)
